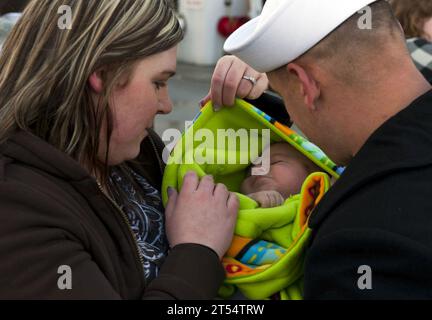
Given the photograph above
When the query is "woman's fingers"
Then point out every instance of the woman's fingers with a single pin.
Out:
(250, 90)
(206, 99)
(172, 201)
(228, 82)
(190, 182)
(206, 185)
(218, 80)
(234, 85)
(206, 216)
(261, 86)
(221, 193)
(245, 88)
(233, 205)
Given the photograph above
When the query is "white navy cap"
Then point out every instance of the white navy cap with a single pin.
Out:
(286, 29)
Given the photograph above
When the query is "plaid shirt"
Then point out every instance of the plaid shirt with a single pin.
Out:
(421, 52)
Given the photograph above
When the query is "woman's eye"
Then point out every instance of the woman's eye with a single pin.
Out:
(160, 85)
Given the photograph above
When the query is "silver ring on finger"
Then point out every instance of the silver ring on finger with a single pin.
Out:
(251, 80)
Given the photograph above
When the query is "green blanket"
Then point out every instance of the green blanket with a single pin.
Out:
(266, 257)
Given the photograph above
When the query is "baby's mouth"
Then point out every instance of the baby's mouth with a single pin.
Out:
(259, 179)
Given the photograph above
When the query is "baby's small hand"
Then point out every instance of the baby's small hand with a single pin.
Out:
(268, 199)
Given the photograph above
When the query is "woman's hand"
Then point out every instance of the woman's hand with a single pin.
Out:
(228, 83)
(202, 213)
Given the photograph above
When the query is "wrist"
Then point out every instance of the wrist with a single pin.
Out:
(180, 245)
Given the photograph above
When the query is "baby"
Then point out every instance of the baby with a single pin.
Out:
(288, 171)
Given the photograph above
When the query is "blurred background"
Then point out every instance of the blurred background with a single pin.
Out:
(207, 24)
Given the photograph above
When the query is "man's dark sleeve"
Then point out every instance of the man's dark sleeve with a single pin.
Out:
(400, 267)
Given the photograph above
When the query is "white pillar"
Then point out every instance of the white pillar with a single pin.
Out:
(202, 44)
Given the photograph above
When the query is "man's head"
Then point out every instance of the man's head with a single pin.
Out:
(351, 63)
(347, 84)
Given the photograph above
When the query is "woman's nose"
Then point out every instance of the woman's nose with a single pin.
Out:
(166, 106)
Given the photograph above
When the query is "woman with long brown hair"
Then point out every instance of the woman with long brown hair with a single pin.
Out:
(80, 167)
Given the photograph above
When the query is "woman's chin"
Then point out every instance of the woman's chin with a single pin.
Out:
(134, 154)
(118, 158)
(127, 151)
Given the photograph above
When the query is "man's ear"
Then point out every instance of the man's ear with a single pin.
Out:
(309, 87)
(96, 82)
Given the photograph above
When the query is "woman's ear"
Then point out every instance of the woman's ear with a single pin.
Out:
(95, 81)
(309, 87)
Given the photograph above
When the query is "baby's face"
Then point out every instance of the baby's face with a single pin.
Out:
(288, 170)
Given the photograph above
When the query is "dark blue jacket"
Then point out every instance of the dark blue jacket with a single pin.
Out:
(379, 215)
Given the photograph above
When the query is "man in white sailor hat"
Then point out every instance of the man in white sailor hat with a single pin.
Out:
(349, 84)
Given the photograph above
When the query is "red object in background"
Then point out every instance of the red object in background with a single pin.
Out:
(227, 25)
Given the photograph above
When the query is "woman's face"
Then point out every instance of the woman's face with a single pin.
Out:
(135, 106)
